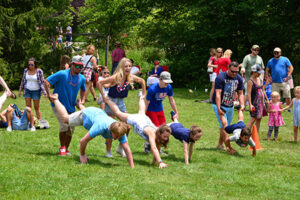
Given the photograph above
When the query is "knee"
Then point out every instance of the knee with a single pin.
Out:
(28, 109)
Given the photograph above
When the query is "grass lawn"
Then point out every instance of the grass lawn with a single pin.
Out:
(30, 167)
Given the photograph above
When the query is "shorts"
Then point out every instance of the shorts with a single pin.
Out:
(21, 124)
(212, 77)
(228, 114)
(139, 123)
(158, 118)
(75, 119)
(34, 94)
(119, 102)
(87, 72)
(284, 87)
(59, 41)
(63, 127)
(68, 38)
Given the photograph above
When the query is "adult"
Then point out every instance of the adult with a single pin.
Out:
(213, 64)
(224, 61)
(66, 84)
(90, 64)
(143, 126)
(154, 76)
(64, 62)
(116, 56)
(227, 83)
(69, 36)
(19, 120)
(32, 86)
(135, 70)
(97, 122)
(256, 97)
(119, 84)
(281, 71)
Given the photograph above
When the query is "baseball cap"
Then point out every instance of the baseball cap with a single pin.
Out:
(257, 68)
(166, 77)
(277, 49)
(156, 63)
(255, 46)
(77, 60)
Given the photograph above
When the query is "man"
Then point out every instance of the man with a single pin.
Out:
(98, 123)
(250, 60)
(66, 84)
(116, 56)
(281, 71)
(226, 84)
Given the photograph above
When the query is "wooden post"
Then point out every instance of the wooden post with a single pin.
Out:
(107, 51)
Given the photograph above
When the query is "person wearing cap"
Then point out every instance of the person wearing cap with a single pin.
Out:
(250, 60)
(66, 84)
(116, 56)
(226, 84)
(256, 97)
(281, 72)
(154, 76)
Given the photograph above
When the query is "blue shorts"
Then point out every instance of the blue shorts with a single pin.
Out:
(119, 102)
(228, 114)
(20, 124)
(34, 94)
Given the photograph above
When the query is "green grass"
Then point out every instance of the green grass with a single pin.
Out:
(30, 167)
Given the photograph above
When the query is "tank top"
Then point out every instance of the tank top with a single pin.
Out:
(118, 91)
(32, 82)
(86, 59)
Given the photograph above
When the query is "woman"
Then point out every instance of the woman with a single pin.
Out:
(213, 63)
(120, 83)
(64, 62)
(32, 86)
(224, 61)
(256, 95)
(90, 63)
(154, 76)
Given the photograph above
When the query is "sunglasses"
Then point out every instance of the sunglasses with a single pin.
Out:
(276, 52)
(30, 64)
(234, 72)
(78, 66)
(219, 52)
(105, 72)
(256, 50)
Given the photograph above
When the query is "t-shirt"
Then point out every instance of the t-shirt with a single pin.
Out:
(180, 133)
(67, 86)
(279, 68)
(158, 72)
(156, 95)
(97, 122)
(229, 86)
(249, 61)
(223, 64)
(236, 130)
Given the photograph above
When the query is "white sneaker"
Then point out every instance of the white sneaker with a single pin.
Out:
(108, 154)
(9, 129)
(32, 129)
(120, 151)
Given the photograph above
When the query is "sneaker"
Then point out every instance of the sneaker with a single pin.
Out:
(163, 153)
(120, 151)
(32, 129)
(289, 110)
(147, 147)
(62, 151)
(68, 153)
(108, 154)
(9, 129)
(172, 115)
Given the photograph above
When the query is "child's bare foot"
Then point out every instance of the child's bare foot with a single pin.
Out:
(268, 139)
(275, 139)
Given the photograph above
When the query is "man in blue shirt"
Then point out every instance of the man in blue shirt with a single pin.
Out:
(281, 71)
(66, 84)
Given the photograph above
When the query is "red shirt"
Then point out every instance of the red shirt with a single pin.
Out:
(214, 61)
(117, 55)
(223, 64)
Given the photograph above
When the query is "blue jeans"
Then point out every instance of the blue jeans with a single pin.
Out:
(20, 124)
(228, 114)
(34, 94)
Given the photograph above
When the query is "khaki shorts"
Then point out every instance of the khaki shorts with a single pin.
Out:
(75, 119)
(284, 87)
(63, 127)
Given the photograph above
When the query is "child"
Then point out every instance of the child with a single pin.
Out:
(296, 111)
(242, 135)
(187, 136)
(104, 74)
(275, 118)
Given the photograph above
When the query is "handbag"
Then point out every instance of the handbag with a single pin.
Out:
(210, 69)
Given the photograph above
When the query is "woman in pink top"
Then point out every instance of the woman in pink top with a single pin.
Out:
(224, 61)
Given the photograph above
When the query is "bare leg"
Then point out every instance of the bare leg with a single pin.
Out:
(142, 106)
(251, 122)
(30, 116)
(2, 82)
(211, 91)
(258, 124)
(295, 133)
(36, 104)
(3, 115)
(28, 102)
(9, 115)
(93, 91)
(68, 138)
(86, 93)
(3, 99)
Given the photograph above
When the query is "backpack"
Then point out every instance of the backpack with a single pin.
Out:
(41, 124)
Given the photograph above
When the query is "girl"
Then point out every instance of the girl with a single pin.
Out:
(256, 96)
(32, 86)
(275, 118)
(64, 62)
(224, 61)
(104, 74)
(212, 63)
(296, 111)
(119, 83)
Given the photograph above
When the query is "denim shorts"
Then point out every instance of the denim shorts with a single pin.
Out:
(20, 124)
(119, 102)
(228, 114)
(34, 94)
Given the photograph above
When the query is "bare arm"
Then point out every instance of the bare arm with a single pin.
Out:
(249, 91)
(154, 148)
(227, 143)
(83, 144)
(128, 154)
(254, 151)
(110, 80)
(115, 109)
(173, 105)
(241, 99)
(47, 86)
(147, 104)
(191, 149)
(185, 149)
(140, 81)
(289, 106)
(211, 65)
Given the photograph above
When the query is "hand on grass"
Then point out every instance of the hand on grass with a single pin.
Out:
(84, 159)
(231, 151)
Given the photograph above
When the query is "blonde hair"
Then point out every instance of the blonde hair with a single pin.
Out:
(90, 49)
(227, 53)
(219, 49)
(119, 128)
(120, 73)
(276, 94)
